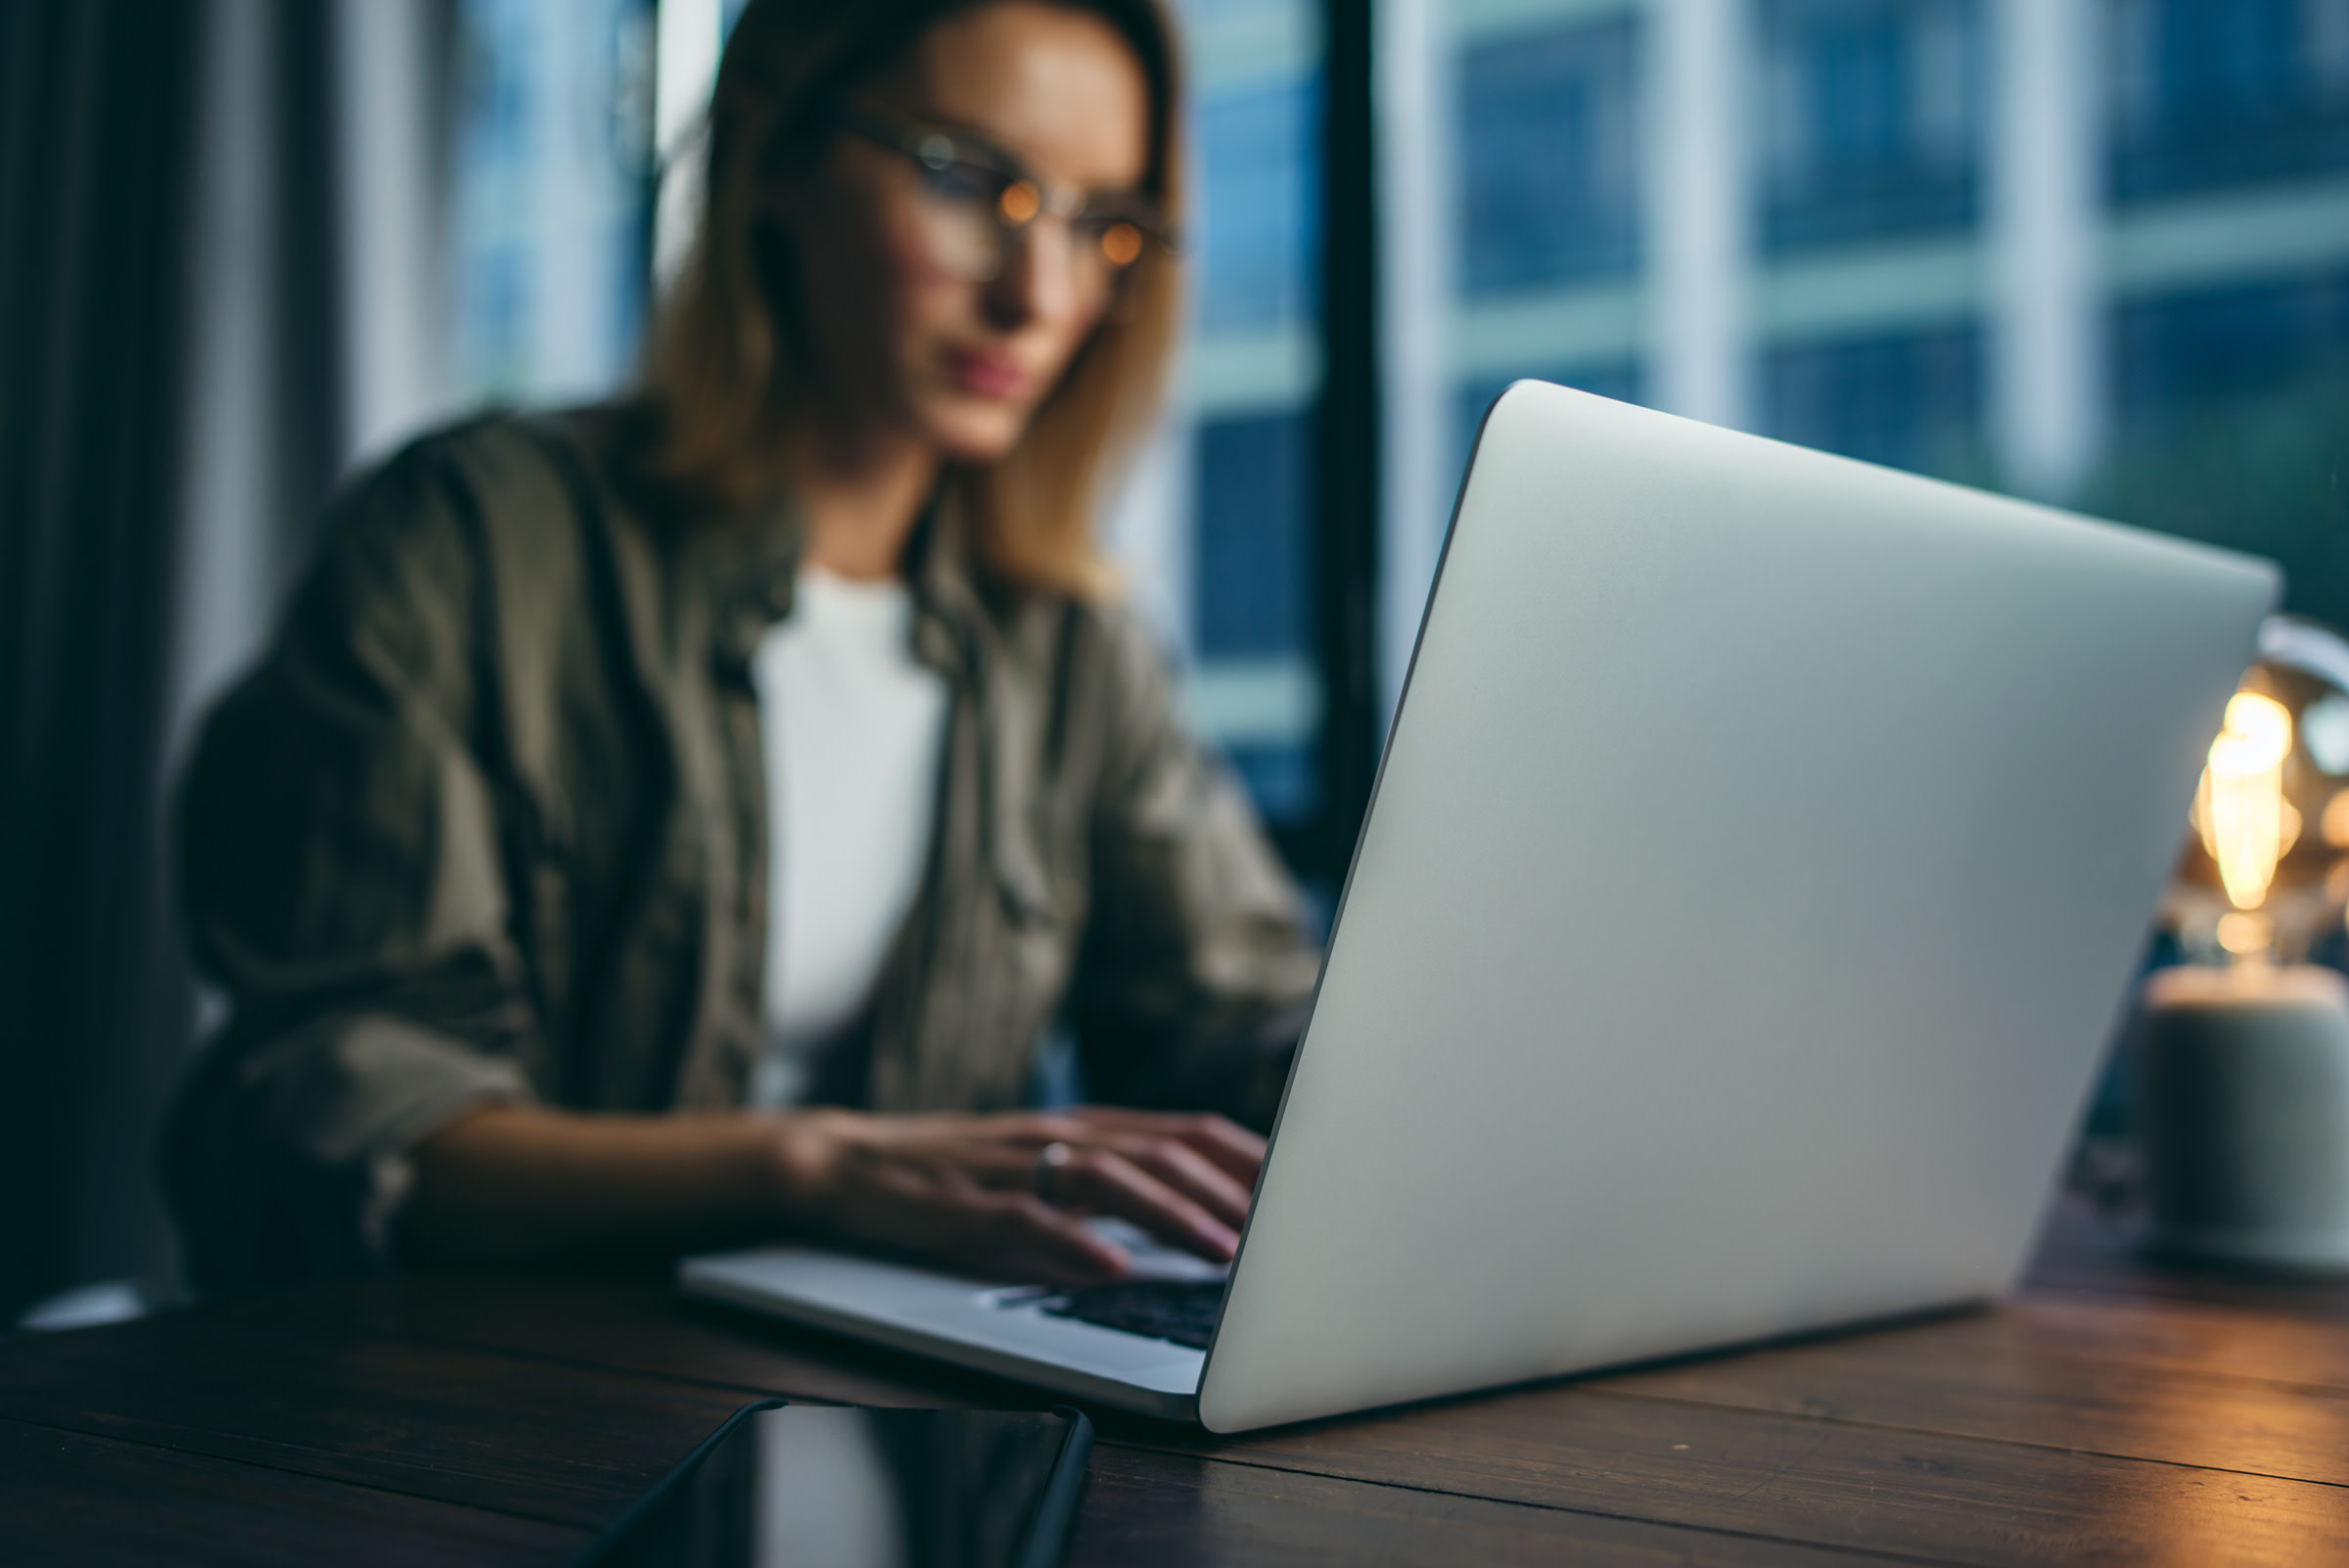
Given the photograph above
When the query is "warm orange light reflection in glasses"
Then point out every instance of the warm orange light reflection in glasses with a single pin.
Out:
(1121, 244)
(1020, 202)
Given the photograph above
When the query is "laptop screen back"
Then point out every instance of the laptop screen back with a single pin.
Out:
(1762, 849)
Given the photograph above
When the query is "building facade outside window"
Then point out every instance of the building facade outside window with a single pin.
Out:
(552, 150)
(1251, 373)
(2096, 251)
(1870, 123)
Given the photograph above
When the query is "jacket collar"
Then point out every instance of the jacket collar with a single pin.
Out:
(942, 572)
(753, 560)
(750, 561)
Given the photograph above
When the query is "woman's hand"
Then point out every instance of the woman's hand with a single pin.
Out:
(981, 1193)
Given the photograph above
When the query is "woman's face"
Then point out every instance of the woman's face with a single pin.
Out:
(905, 344)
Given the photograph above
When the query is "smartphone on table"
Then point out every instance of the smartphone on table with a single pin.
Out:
(843, 1487)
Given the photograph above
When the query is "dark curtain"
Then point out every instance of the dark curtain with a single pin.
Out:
(95, 133)
(103, 190)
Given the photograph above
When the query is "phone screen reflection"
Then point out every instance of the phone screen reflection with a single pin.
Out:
(857, 1488)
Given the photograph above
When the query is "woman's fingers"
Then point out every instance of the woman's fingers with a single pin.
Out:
(1174, 1162)
(1191, 1174)
(1106, 1181)
(1016, 1236)
(969, 1206)
(965, 1191)
(1229, 1146)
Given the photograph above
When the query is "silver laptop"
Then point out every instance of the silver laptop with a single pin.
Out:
(1762, 849)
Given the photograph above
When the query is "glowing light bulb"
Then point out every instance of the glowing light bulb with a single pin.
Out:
(2239, 806)
(2246, 935)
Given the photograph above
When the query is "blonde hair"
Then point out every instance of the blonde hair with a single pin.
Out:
(718, 387)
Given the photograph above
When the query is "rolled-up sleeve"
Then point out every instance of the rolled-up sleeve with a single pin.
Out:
(341, 880)
(1196, 968)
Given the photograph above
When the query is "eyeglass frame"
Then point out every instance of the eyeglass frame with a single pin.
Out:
(934, 148)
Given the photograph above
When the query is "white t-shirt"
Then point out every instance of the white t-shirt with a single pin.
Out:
(851, 726)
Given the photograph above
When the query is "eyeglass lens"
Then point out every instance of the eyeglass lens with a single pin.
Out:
(972, 217)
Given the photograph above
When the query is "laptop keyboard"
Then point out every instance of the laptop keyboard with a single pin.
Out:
(1184, 1310)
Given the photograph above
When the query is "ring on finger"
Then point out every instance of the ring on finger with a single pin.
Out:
(1046, 1175)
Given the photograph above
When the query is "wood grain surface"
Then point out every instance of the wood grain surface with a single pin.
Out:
(2117, 1410)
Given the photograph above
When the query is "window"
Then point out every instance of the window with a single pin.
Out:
(1250, 387)
(1255, 689)
(1257, 132)
(1848, 223)
(2183, 357)
(1868, 108)
(548, 236)
(1905, 400)
(2211, 93)
(1548, 171)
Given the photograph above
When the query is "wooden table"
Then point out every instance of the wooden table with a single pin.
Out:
(2112, 1413)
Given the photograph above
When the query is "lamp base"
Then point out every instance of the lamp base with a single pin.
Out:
(2242, 1110)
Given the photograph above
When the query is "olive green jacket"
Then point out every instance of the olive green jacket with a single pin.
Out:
(490, 822)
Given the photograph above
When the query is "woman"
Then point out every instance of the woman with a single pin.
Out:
(682, 823)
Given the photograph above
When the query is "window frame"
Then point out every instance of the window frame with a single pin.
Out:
(1346, 504)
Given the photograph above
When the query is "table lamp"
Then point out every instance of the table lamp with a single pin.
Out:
(2241, 1052)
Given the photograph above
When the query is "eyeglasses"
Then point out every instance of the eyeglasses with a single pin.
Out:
(976, 202)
